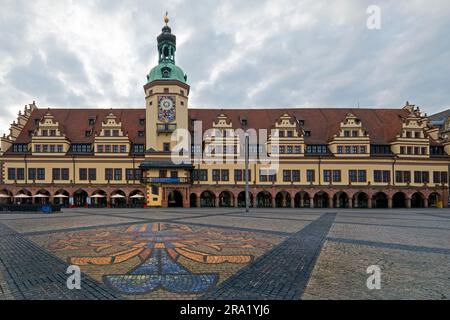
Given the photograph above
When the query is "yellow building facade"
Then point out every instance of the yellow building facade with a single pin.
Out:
(170, 155)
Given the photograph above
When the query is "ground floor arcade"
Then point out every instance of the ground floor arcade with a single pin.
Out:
(276, 197)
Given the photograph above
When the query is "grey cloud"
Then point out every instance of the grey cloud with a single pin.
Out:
(334, 62)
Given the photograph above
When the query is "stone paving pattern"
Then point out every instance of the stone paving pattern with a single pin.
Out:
(226, 254)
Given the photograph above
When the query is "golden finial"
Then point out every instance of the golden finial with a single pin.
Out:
(166, 18)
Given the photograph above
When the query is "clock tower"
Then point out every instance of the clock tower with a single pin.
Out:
(166, 95)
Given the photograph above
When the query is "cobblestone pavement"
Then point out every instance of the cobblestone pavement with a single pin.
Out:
(226, 254)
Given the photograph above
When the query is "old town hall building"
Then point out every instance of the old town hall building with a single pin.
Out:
(340, 158)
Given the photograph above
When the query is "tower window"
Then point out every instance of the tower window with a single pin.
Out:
(166, 147)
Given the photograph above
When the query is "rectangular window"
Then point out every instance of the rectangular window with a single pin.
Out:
(92, 174)
(37, 148)
(216, 175)
(123, 149)
(166, 147)
(402, 176)
(100, 149)
(386, 176)
(31, 174)
(327, 175)
(238, 175)
(340, 149)
(40, 174)
(115, 149)
(362, 175)
(337, 176)
(52, 133)
(52, 148)
(11, 174)
(296, 175)
(45, 148)
(163, 173)
(262, 176)
(287, 176)
(115, 133)
(138, 148)
(310, 176)
(352, 175)
(129, 174)
(65, 174)
(117, 174)
(272, 177)
(174, 174)
(56, 174)
(108, 174)
(60, 148)
(382, 176)
(347, 149)
(417, 176)
(108, 149)
(298, 149)
(225, 175)
(290, 149)
(83, 174)
(107, 133)
(363, 149)
(20, 174)
(444, 177)
(378, 176)
(355, 149)
(425, 177)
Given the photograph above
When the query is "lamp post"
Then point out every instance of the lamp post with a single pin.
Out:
(247, 198)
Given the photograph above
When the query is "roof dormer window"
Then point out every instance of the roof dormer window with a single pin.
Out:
(91, 122)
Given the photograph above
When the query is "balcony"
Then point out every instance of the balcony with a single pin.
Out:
(166, 180)
(166, 128)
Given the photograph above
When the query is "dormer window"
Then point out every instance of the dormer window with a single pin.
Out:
(166, 72)
(107, 133)
(44, 133)
(142, 122)
(354, 133)
(307, 133)
(52, 133)
(87, 134)
(91, 122)
(141, 134)
(115, 133)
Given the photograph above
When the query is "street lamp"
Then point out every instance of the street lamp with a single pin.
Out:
(247, 199)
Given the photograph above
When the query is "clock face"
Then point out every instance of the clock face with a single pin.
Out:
(166, 109)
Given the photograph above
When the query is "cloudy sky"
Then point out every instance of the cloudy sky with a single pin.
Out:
(252, 53)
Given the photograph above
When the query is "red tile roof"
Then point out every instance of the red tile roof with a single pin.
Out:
(382, 124)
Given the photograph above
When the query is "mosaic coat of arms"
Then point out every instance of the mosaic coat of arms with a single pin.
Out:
(166, 109)
(163, 255)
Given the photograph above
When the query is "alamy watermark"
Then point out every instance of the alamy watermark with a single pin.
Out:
(374, 19)
(374, 280)
(74, 280)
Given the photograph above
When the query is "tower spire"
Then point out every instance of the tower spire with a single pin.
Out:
(166, 18)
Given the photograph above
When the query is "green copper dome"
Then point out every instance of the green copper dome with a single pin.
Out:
(167, 69)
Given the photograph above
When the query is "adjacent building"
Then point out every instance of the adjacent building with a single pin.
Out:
(340, 158)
